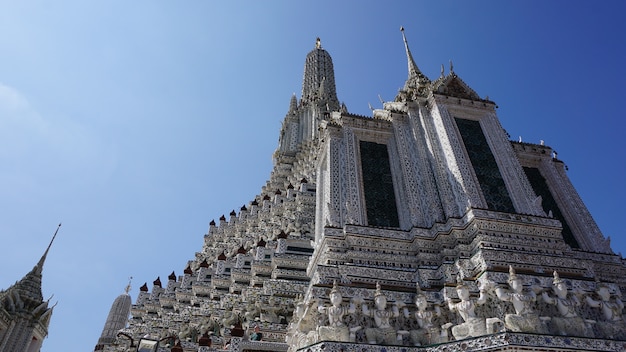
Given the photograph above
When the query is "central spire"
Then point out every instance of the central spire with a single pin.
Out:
(318, 84)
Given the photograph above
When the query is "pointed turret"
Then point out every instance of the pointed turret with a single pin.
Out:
(417, 83)
(23, 304)
(293, 105)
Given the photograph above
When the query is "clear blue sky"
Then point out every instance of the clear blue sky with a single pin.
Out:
(136, 123)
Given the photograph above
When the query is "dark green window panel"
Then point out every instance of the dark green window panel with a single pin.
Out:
(540, 186)
(485, 166)
(380, 199)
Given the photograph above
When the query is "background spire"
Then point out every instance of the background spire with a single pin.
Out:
(45, 254)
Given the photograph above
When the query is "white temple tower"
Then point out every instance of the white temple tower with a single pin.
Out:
(421, 227)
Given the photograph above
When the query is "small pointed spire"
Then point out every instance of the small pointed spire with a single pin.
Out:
(413, 70)
(45, 254)
(318, 43)
(188, 270)
(417, 84)
(293, 104)
(261, 243)
(127, 289)
(412, 67)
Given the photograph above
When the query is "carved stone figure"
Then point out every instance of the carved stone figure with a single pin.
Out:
(472, 325)
(569, 323)
(383, 333)
(336, 329)
(229, 320)
(525, 318)
(301, 331)
(269, 312)
(252, 311)
(428, 333)
(613, 324)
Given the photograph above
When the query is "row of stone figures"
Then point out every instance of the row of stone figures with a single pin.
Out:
(517, 308)
(255, 314)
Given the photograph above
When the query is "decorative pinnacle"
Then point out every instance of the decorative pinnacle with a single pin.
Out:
(45, 254)
(414, 71)
(557, 279)
(412, 67)
(318, 43)
(127, 289)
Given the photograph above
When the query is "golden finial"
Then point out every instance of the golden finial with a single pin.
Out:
(318, 43)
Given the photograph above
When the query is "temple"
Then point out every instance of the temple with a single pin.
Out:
(24, 315)
(419, 228)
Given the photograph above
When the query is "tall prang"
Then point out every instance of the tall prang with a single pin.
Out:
(116, 320)
(319, 98)
(419, 228)
(24, 315)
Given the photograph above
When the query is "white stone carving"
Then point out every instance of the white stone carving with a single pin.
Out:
(383, 333)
